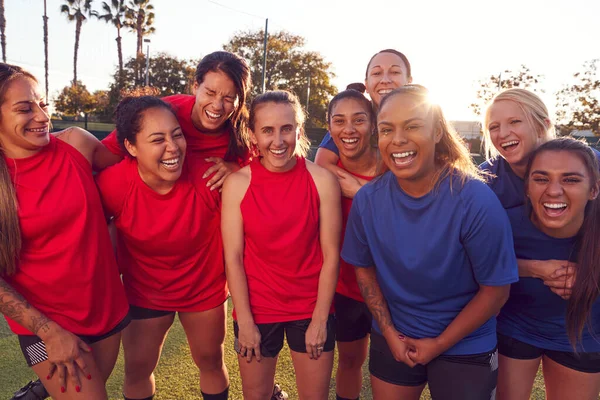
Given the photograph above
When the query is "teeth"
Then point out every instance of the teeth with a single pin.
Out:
(401, 155)
(350, 141)
(171, 162)
(384, 91)
(277, 151)
(213, 115)
(38, 129)
(505, 145)
(555, 205)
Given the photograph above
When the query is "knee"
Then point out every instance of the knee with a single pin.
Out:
(209, 360)
(350, 361)
(139, 366)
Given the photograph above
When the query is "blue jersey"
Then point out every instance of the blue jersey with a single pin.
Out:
(509, 188)
(432, 253)
(329, 144)
(533, 313)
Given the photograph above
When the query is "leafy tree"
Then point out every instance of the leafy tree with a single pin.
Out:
(289, 67)
(139, 19)
(74, 100)
(523, 78)
(78, 11)
(114, 14)
(578, 104)
(2, 31)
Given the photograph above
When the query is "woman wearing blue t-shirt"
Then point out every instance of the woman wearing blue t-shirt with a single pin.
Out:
(434, 256)
(560, 221)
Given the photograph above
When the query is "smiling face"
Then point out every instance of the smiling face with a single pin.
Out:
(159, 149)
(512, 133)
(407, 140)
(386, 72)
(275, 133)
(216, 101)
(559, 187)
(350, 128)
(24, 121)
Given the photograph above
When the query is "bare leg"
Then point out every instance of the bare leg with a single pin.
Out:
(566, 383)
(348, 378)
(258, 378)
(312, 376)
(515, 377)
(388, 391)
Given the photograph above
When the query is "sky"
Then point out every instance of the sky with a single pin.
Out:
(450, 44)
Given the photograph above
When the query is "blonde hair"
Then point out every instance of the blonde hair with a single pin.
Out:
(536, 114)
(451, 151)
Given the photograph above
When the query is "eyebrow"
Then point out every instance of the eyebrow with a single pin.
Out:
(356, 113)
(393, 65)
(537, 171)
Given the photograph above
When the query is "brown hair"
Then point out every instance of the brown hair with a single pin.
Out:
(586, 287)
(279, 97)
(451, 151)
(10, 231)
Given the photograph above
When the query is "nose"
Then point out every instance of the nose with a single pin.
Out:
(399, 139)
(277, 139)
(504, 131)
(41, 115)
(172, 146)
(348, 127)
(219, 104)
(554, 189)
(385, 77)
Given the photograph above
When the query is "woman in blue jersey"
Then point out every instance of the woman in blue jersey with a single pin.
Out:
(561, 220)
(420, 238)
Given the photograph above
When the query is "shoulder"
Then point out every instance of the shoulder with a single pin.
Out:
(320, 175)
(236, 184)
(116, 175)
(83, 141)
(178, 99)
(477, 193)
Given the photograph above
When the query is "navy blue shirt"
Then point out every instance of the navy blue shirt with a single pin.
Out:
(329, 144)
(432, 253)
(533, 313)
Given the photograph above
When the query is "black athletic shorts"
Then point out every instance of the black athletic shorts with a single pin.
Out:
(352, 319)
(34, 348)
(465, 377)
(582, 362)
(147, 313)
(271, 341)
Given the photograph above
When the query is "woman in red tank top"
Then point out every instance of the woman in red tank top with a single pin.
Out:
(281, 230)
(351, 124)
(169, 247)
(60, 289)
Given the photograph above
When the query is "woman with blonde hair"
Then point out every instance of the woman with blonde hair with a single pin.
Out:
(418, 237)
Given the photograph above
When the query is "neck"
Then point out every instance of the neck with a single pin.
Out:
(158, 185)
(17, 152)
(519, 169)
(366, 164)
(420, 186)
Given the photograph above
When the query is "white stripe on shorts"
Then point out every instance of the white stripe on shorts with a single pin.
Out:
(37, 353)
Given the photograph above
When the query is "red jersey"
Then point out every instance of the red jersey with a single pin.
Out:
(67, 267)
(170, 249)
(199, 144)
(282, 251)
(347, 284)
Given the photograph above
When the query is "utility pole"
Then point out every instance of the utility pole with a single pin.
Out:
(265, 55)
(147, 61)
(46, 49)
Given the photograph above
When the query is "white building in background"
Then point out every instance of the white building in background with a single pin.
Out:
(579, 133)
(468, 129)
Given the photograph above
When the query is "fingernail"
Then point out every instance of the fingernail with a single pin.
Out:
(77, 389)
(89, 377)
(62, 389)
(402, 337)
(48, 377)
(212, 188)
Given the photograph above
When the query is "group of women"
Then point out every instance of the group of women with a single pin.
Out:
(393, 243)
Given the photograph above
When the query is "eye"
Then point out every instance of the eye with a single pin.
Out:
(287, 129)
(515, 121)
(229, 100)
(267, 130)
(540, 179)
(158, 140)
(24, 110)
(338, 121)
(572, 180)
(375, 73)
(43, 105)
(359, 120)
(412, 127)
(492, 128)
(384, 131)
(178, 135)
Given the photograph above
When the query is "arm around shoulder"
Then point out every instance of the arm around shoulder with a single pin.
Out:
(89, 146)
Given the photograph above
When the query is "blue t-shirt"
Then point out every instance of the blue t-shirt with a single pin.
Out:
(432, 253)
(329, 144)
(533, 313)
(509, 188)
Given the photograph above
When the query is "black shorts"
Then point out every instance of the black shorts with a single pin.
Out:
(34, 348)
(147, 313)
(464, 377)
(582, 362)
(352, 319)
(271, 341)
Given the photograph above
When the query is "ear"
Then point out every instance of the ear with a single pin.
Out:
(595, 191)
(409, 80)
(195, 87)
(130, 148)
(438, 131)
(253, 139)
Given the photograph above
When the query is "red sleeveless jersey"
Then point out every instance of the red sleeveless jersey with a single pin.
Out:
(347, 284)
(282, 252)
(170, 249)
(67, 267)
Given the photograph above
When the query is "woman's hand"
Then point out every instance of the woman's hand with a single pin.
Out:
(65, 352)
(348, 183)
(221, 170)
(249, 341)
(422, 351)
(315, 338)
(561, 280)
(398, 347)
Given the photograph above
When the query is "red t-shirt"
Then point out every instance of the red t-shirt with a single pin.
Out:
(347, 284)
(169, 250)
(200, 144)
(282, 252)
(67, 267)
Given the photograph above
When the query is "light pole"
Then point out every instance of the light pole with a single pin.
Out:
(147, 60)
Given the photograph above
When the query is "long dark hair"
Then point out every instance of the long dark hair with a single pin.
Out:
(10, 230)
(586, 287)
(238, 71)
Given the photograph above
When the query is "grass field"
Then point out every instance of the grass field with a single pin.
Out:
(176, 375)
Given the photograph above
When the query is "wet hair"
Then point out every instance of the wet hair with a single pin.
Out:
(536, 114)
(391, 51)
(129, 116)
(358, 86)
(280, 97)
(451, 151)
(10, 229)
(355, 95)
(586, 287)
(238, 71)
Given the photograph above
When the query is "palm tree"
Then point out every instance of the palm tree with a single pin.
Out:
(2, 29)
(115, 14)
(78, 11)
(139, 18)
(45, 17)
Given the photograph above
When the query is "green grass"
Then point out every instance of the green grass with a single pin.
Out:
(176, 375)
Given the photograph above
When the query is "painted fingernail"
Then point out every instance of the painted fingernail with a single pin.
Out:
(89, 377)
(77, 389)
(48, 377)
(402, 337)
(62, 389)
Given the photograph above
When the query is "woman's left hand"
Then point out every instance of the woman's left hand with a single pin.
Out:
(221, 170)
(315, 338)
(422, 351)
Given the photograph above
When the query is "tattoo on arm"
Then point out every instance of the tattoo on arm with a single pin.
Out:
(371, 292)
(15, 307)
